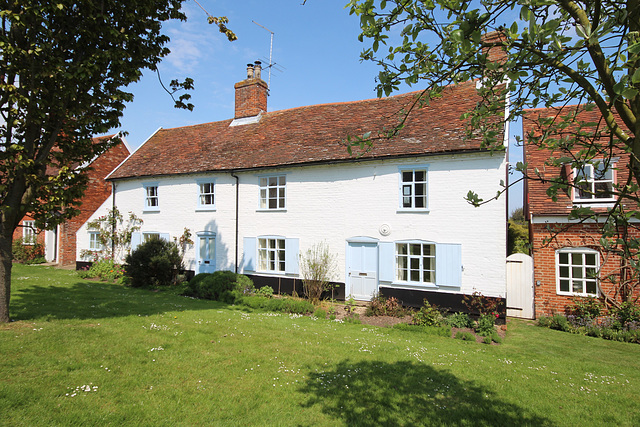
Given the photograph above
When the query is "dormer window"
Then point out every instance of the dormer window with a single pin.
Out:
(594, 182)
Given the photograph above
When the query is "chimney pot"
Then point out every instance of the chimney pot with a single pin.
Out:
(257, 69)
(249, 71)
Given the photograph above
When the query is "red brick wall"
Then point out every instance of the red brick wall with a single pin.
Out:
(98, 190)
(251, 98)
(547, 301)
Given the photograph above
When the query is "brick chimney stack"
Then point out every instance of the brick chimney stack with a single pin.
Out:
(496, 50)
(251, 94)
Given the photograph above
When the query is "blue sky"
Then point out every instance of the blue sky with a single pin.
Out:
(315, 46)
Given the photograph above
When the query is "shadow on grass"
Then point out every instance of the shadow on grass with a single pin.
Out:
(94, 300)
(407, 393)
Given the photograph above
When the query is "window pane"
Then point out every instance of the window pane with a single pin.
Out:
(263, 182)
(420, 189)
(563, 257)
(564, 285)
(415, 263)
(203, 249)
(281, 244)
(272, 243)
(603, 190)
(406, 202)
(564, 272)
(420, 176)
(407, 176)
(591, 287)
(428, 277)
(576, 258)
(415, 276)
(273, 181)
(282, 180)
(402, 275)
(402, 249)
(416, 249)
(402, 262)
(262, 243)
(406, 190)
(577, 272)
(577, 286)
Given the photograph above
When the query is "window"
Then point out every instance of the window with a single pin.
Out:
(206, 194)
(273, 192)
(151, 201)
(28, 232)
(577, 271)
(94, 241)
(416, 262)
(271, 255)
(149, 236)
(413, 188)
(594, 182)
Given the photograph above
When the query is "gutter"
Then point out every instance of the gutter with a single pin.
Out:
(233, 174)
(113, 219)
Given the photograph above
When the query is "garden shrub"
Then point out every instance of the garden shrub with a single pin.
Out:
(381, 306)
(459, 320)
(265, 291)
(441, 331)
(104, 269)
(558, 322)
(428, 315)
(486, 325)
(320, 313)
(478, 303)
(585, 308)
(465, 336)
(225, 286)
(30, 254)
(156, 262)
(286, 305)
(626, 314)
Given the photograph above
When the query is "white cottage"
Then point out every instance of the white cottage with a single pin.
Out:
(258, 189)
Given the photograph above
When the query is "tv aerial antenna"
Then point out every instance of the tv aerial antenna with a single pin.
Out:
(271, 63)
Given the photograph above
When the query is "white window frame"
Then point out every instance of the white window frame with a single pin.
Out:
(589, 172)
(407, 189)
(272, 258)
(415, 263)
(29, 234)
(266, 185)
(94, 241)
(569, 271)
(151, 197)
(202, 195)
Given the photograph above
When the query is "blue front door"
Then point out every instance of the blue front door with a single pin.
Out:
(206, 253)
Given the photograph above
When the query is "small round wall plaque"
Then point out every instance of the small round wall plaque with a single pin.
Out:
(385, 229)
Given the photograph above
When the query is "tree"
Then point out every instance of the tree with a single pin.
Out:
(63, 68)
(545, 53)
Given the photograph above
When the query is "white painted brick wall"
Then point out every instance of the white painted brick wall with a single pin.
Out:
(340, 201)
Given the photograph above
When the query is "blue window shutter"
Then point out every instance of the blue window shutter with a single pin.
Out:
(165, 236)
(448, 264)
(387, 261)
(249, 244)
(291, 256)
(136, 238)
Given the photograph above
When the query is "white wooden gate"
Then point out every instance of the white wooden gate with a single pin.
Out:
(520, 286)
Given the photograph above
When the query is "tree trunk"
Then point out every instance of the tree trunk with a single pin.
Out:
(6, 257)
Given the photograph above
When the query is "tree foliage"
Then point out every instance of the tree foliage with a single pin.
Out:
(64, 68)
(555, 54)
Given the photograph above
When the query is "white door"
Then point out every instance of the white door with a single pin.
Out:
(206, 254)
(362, 270)
(520, 286)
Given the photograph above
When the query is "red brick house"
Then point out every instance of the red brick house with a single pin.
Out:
(569, 260)
(60, 243)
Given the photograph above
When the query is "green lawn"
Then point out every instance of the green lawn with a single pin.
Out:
(88, 353)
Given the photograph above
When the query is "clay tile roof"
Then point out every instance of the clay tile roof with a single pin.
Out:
(307, 135)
